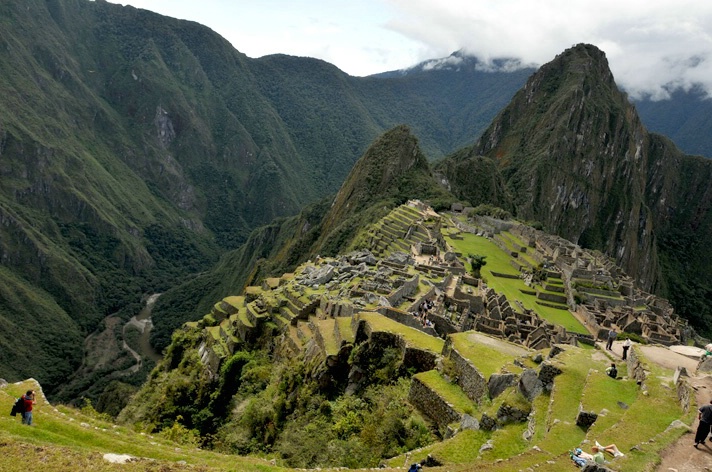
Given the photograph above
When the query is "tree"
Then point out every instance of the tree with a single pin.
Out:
(478, 262)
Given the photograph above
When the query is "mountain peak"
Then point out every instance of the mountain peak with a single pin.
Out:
(460, 61)
(392, 171)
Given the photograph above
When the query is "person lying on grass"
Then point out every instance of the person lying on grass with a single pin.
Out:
(597, 453)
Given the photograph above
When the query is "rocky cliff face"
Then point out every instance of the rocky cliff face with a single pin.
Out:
(576, 158)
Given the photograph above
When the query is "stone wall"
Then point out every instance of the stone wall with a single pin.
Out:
(420, 359)
(408, 288)
(432, 405)
(471, 381)
(636, 370)
(405, 318)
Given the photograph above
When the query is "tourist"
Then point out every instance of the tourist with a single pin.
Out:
(612, 449)
(612, 335)
(597, 453)
(626, 346)
(704, 414)
(612, 372)
(29, 399)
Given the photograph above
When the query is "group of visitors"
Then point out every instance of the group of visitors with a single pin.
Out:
(423, 310)
(612, 335)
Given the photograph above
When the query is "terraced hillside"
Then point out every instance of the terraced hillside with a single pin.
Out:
(525, 418)
(501, 385)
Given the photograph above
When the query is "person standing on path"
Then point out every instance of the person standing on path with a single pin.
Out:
(29, 399)
(704, 414)
(612, 335)
(626, 346)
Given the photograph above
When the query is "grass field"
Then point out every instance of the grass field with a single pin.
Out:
(625, 418)
(412, 336)
(63, 439)
(498, 261)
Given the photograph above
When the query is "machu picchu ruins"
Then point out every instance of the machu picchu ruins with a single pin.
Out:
(408, 287)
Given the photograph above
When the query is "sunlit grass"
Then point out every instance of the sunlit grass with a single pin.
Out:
(487, 359)
(412, 336)
(498, 262)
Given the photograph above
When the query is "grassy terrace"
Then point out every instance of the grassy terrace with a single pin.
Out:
(235, 301)
(412, 336)
(641, 422)
(487, 359)
(344, 323)
(498, 261)
(326, 328)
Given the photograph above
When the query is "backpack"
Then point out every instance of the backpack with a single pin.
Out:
(579, 461)
(18, 406)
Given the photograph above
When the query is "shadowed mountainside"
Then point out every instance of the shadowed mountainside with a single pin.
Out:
(576, 158)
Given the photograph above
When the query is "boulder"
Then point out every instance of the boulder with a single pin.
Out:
(488, 423)
(511, 414)
(705, 365)
(468, 422)
(586, 418)
(498, 383)
(555, 350)
(489, 445)
(679, 372)
(530, 385)
(547, 374)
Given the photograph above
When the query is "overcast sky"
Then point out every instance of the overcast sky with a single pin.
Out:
(651, 45)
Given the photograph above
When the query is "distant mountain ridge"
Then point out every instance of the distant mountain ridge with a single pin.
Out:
(684, 117)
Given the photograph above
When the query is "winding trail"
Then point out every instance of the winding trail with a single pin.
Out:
(143, 323)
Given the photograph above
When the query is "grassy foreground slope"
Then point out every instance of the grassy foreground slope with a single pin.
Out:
(64, 438)
(69, 439)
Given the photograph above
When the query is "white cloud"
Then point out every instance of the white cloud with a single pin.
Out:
(652, 45)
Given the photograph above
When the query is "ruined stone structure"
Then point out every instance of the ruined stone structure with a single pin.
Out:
(324, 310)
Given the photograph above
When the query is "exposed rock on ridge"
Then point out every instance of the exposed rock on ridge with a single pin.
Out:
(576, 158)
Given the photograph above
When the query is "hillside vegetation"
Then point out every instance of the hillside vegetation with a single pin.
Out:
(137, 148)
(330, 366)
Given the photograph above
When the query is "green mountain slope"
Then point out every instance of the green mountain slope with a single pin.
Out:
(329, 365)
(392, 171)
(576, 158)
(136, 148)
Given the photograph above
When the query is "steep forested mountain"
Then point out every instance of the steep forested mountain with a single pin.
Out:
(392, 171)
(576, 158)
(136, 148)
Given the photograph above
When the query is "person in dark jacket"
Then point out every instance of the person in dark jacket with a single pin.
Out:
(704, 414)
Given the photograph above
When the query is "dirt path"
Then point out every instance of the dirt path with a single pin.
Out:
(680, 456)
